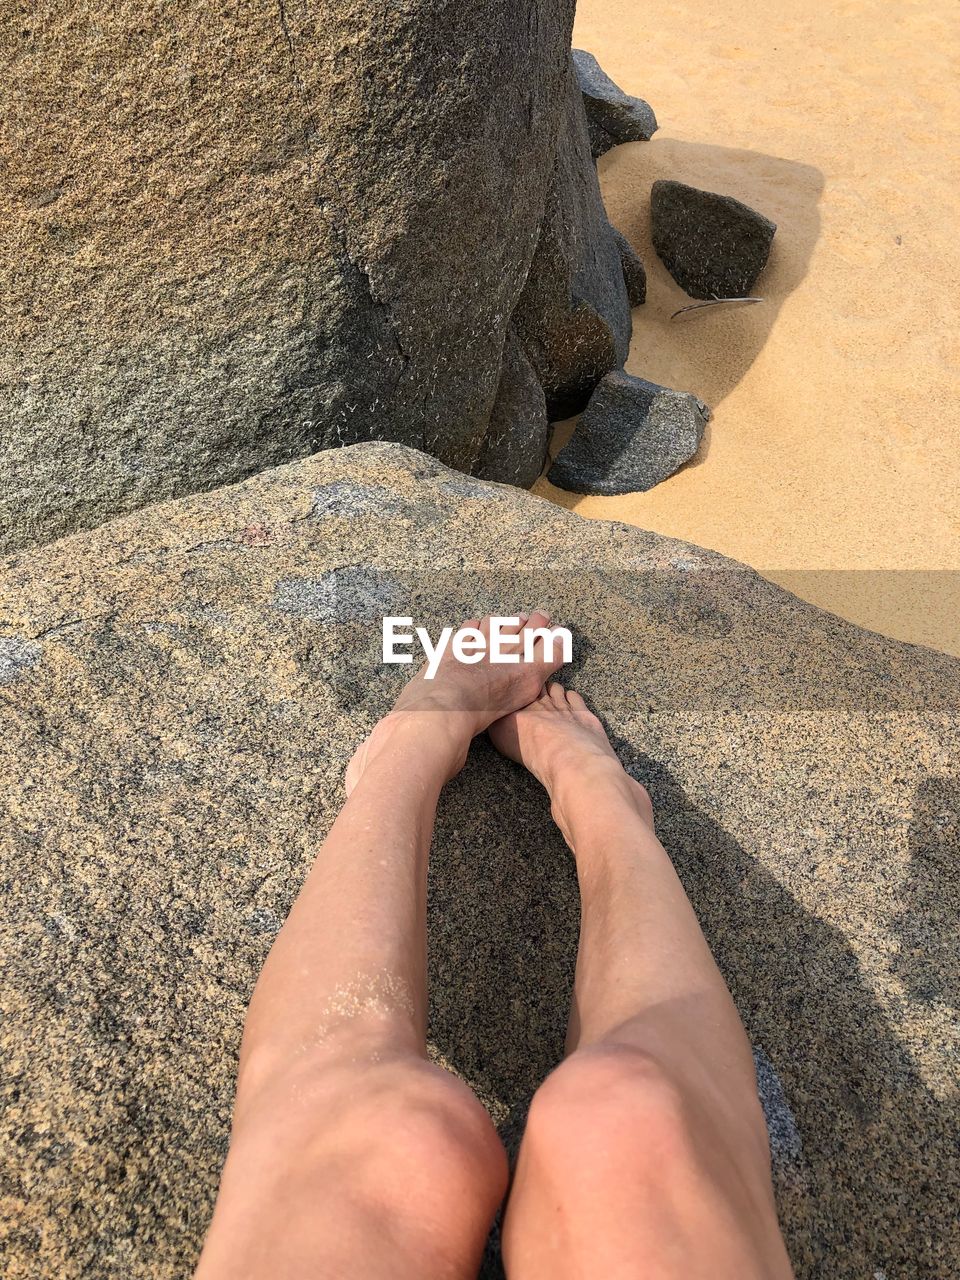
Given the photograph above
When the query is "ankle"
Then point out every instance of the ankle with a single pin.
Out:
(596, 792)
(433, 740)
(438, 710)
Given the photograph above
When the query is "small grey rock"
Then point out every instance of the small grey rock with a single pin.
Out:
(634, 273)
(633, 435)
(612, 115)
(712, 245)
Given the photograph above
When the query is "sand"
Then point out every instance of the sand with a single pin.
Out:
(832, 464)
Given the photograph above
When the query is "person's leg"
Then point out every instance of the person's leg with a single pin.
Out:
(351, 1154)
(645, 1152)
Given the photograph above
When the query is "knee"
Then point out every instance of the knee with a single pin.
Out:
(432, 1132)
(424, 1156)
(610, 1106)
(395, 1132)
(350, 1159)
(645, 803)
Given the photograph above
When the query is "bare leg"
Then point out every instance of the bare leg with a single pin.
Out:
(351, 1154)
(646, 1150)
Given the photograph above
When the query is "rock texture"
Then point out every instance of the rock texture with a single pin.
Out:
(712, 245)
(181, 690)
(633, 435)
(515, 447)
(634, 273)
(237, 236)
(573, 317)
(612, 115)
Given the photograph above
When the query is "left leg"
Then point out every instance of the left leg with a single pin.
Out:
(645, 1152)
(351, 1154)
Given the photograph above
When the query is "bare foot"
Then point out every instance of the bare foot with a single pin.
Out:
(563, 744)
(445, 713)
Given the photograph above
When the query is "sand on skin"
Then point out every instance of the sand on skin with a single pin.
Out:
(832, 464)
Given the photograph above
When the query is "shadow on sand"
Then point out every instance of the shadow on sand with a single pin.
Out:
(707, 352)
(877, 1163)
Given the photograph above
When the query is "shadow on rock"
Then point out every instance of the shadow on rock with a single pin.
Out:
(928, 925)
(504, 915)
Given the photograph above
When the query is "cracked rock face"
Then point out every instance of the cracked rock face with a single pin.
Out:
(237, 237)
(573, 316)
(712, 245)
(633, 435)
(515, 447)
(181, 691)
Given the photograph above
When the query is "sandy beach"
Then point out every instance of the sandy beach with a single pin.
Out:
(832, 464)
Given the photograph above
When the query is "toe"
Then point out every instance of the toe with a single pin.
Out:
(551, 659)
(558, 695)
(581, 710)
(512, 628)
(538, 617)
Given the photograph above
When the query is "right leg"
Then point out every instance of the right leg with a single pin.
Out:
(646, 1151)
(351, 1154)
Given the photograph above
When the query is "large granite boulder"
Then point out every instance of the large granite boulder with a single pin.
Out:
(235, 236)
(180, 692)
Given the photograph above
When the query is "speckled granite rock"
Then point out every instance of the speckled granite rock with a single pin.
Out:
(633, 434)
(234, 236)
(712, 245)
(515, 447)
(634, 273)
(573, 316)
(612, 115)
(180, 692)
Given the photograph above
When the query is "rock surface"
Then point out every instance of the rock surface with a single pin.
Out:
(612, 115)
(515, 447)
(181, 690)
(634, 273)
(574, 314)
(232, 238)
(632, 435)
(712, 245)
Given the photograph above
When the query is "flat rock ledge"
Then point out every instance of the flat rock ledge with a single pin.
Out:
(712, 245)
(180, 691)
(632, 435)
